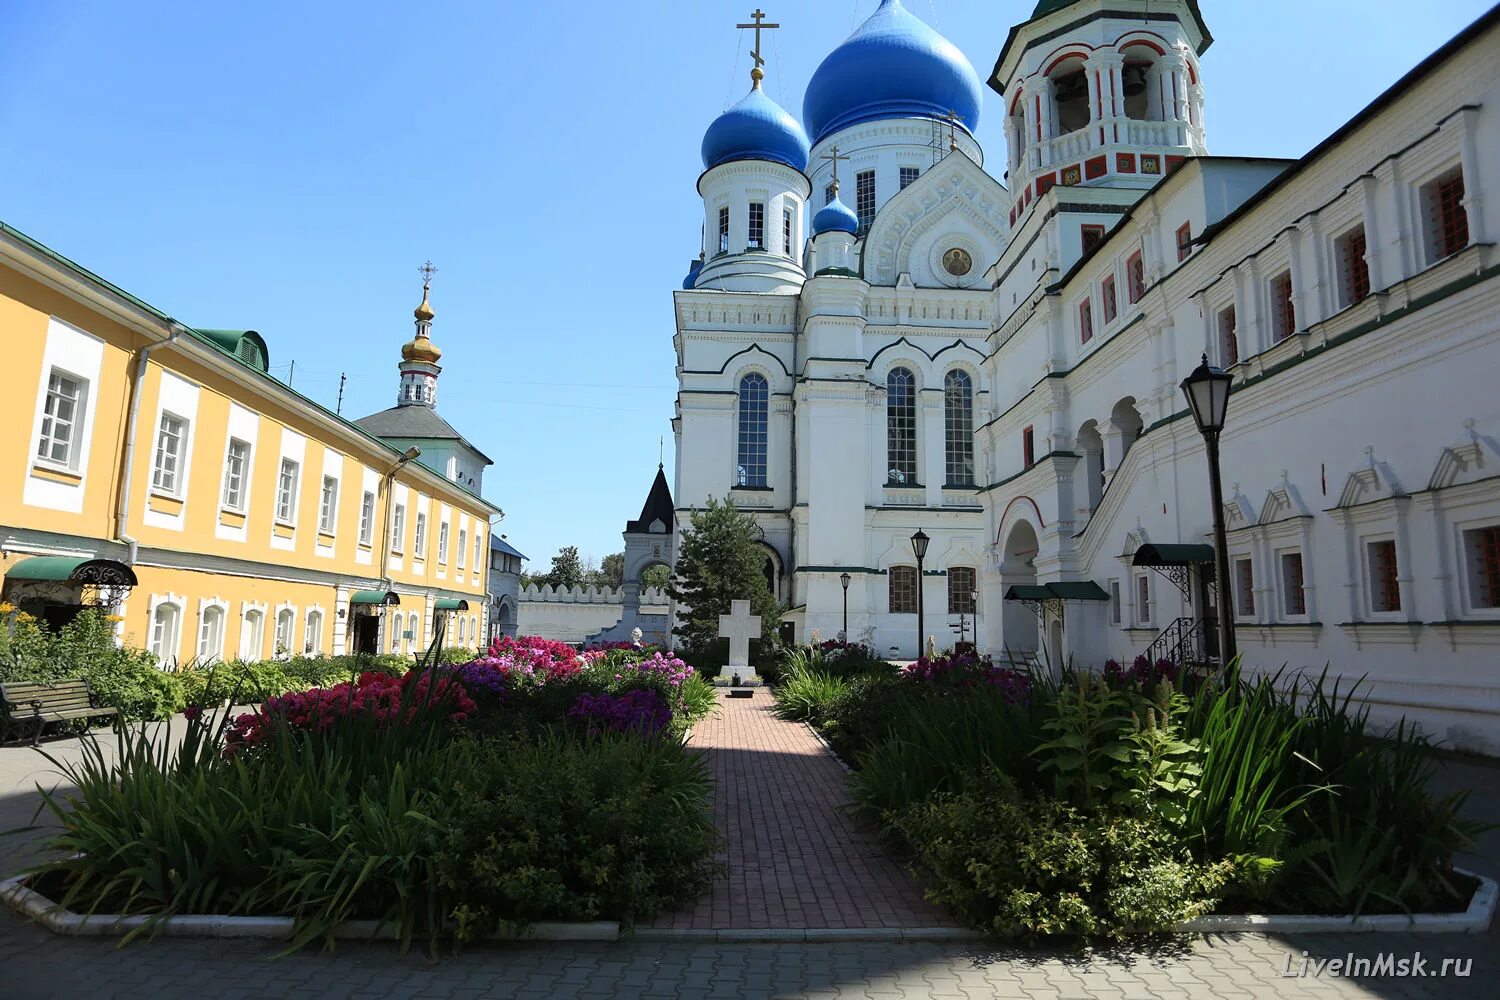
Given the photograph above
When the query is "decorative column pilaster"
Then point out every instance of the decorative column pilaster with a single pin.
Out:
(1044, 93)
(1467, 121)
(1112, 94)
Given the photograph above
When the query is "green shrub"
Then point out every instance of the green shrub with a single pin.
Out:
(805, 695)
(866, 712)
(121, 677)
(1036, 867)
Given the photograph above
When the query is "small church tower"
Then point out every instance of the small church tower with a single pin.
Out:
(419, 356)
(1101, 92)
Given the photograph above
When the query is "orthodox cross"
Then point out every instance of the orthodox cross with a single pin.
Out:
(739, 627)
(427, 270)
(833, 157)
(758, 23)
(953, 120)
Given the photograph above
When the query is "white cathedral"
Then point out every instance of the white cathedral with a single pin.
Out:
(993, 357)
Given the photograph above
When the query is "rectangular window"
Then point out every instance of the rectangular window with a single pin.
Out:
(961, 587)
(909, 175)
(1184, 241)
(366, 517)
(864, 198)
(1028, 447)
(61, 414)
(463, 547)
(1110, 298)
(1244, 588)
(1135, 277)
(903, 594)
(1448, 220)
(1093, 235)
(757, 226)
(1114, 602)
(1085, 321)
(1385, 591)
(1293, 597)
(167, 474)
(828, 193)
(1482, 548)
(1283, 312)
(786, 233)
(1143, 599)
(478, 551)
(443, 542)
(328, 506)
(398, 528)
(1354, 272)
(724, 230)
(419, 539)
(236, 468)
(1229, 338)
(286, 491)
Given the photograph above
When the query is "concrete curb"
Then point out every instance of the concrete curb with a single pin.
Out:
(1475, 920)
(809, 935)
(827, 746)
(47, 913)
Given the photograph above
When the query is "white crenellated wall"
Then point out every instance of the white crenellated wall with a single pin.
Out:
(572, 615)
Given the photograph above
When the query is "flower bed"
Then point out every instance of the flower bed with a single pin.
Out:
(1101, 805)
(529, 785)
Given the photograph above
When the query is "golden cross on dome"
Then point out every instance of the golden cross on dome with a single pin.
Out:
(758, 23)
(427, 270)
(833, 157)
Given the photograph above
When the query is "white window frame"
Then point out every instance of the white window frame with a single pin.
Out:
(47, 437)
(1143, 602)
(281, 642)
(443, 543)
(169, 481)
(312, 638)
(235, 497)
(1283, 585)
(1367, 574)
(253, 634)
(1469, 577)
(328, 506)
(1116, 608)
(1236, 591)
(286, 494)
(398, 528)
(367, 517)
(463, 547)
(166, 633)
(419, 538)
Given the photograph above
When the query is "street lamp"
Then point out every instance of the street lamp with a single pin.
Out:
(919, 548)
(844, 579)
(1207, 392)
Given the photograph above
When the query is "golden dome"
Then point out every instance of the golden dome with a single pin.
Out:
(421, 348)
(424, 311)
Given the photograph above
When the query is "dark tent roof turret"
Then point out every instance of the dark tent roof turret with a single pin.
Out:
(658, 505)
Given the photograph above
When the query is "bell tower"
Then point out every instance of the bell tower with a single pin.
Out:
(1102, 92)
(419, 356)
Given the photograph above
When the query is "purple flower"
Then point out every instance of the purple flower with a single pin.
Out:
(192, 712)
(641, 711)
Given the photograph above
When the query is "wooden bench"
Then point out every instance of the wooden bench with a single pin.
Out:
(37, 703)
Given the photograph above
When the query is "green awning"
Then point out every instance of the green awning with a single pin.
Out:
(375, 597)
(72, 569)
(449, 604)
(1173, 555)
(1086, 590)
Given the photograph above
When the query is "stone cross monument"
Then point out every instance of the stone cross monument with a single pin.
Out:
(739, 627)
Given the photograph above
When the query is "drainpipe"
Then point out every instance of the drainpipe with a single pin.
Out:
(122, 511)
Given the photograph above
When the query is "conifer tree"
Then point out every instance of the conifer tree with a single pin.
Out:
(719, 561)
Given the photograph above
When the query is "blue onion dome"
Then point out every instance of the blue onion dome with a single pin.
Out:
(835, 217)
(694, 269)
(893, 66)
(757, 128)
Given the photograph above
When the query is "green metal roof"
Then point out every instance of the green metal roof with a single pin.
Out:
(246, 345)
(1173, 555)
(1048, 6)
(73, 569)
(1022, 592)
(449, 604)
(375, 597)
(1085, 590)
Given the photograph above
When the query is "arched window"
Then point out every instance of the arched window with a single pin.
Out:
(901, 427)
(461, 621)
(474, 630)
(394, 624)
(253, 635)
(958, 425)
(903, 590)
(754, 406)
(312, 637)
(285, 619)
(165, 624)
(211, 634)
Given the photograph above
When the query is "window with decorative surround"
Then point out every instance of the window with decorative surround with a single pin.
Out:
(1135, 277)
(1293, 596)
(724, 230)
(166, 623)
(757, 225)
(1384, 579)
(443, 543)
(366, 518)
(1244, 588)
(1354, 271)
(1229, 338)
(166, 475)
(1092, 236)
(864, 198)
(962, 584)
(1184, 241)
(958, 427)
(1447, 219)
(1283, 311)
(1110, 298)
(236, 471)
(909, 176)
(754, 403)
(286, 491)
(62, 413)
(328, 505)
(901, 427)
(1482, 556)
(903, 590)
(419, 537)
(1085, 321)
(1143, 600)
(398, 528)
(786, 233)
(1028, 447)
(828, 193)
(1114, 602)
(463, 546)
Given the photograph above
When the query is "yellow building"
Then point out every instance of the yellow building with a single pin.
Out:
(160, 470)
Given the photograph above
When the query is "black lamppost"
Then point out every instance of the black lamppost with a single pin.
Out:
(1207, 391)
(919, 548)
(844, 579)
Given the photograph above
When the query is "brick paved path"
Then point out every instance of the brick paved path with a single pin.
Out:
(795, 857)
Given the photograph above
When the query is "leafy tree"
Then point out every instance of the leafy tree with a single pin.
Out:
(567, 569)
(655, 576)
(719, 562)
(611, 570)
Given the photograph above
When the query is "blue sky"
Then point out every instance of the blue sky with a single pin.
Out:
(285, 166)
